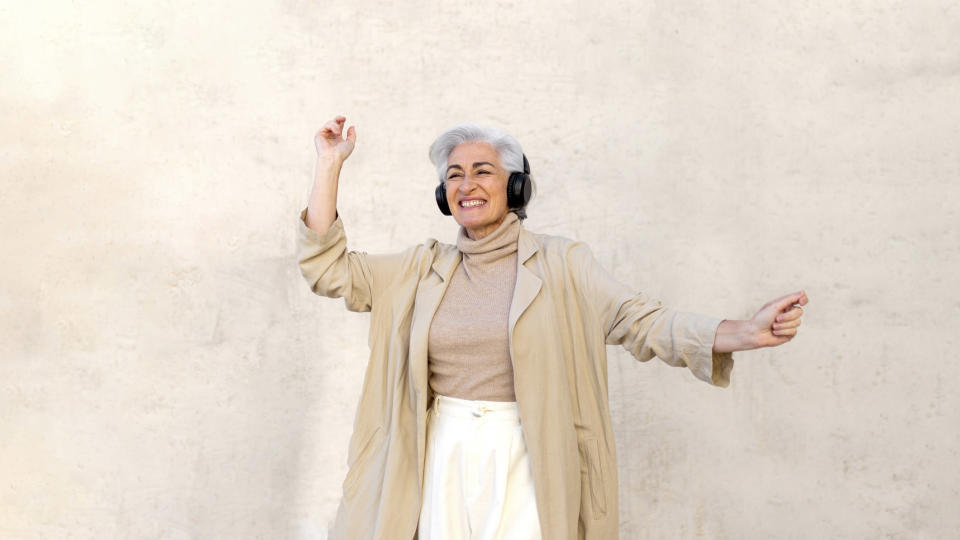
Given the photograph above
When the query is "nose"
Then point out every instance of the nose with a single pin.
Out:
(467, 185)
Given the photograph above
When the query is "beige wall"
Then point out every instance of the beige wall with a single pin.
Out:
(167, 374)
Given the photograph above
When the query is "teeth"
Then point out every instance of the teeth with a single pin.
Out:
(467, 204)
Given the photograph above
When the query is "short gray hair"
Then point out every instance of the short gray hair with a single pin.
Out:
(508, 150)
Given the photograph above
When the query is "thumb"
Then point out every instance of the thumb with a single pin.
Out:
(352, 134)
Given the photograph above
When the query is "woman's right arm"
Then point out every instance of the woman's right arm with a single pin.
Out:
(327, 265)
(332, 150)
(329, 268)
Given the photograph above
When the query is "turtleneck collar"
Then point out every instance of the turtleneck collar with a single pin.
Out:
(497, 244)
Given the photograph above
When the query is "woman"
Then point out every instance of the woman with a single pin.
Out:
(484, 412)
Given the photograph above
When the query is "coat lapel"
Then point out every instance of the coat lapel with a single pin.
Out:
(528, 284)
(429, 293)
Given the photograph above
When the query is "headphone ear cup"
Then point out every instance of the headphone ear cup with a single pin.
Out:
(519, 186)
(441, 194)
(518, 190)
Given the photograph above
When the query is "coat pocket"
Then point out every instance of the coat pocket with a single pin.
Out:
(359, 464)
(593, 497)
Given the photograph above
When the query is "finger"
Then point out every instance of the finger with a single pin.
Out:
(336, 125)
(352, 134)
(778, 340)
(784, 302)
(788, 324)
(785, 332)
(336, 129)
(794, 313)
(329, 128)
(327, 135)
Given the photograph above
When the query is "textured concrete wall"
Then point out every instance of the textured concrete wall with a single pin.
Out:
(166, 373)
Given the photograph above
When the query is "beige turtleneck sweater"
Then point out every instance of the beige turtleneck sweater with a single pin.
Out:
(468, 354)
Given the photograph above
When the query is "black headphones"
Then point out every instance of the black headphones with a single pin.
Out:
(518, 190)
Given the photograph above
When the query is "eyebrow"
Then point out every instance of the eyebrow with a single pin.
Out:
(475, 165)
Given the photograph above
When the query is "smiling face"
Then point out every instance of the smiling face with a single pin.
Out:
(476, 188)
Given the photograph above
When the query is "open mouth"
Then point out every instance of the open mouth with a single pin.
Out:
(472, 203)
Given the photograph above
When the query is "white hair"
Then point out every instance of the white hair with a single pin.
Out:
(508, 150)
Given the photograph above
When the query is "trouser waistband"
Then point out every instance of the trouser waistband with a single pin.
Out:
(466, 408)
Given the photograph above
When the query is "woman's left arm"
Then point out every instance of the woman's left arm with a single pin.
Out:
(775, 324)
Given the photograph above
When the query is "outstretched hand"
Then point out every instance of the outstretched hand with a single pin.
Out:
(777, 321)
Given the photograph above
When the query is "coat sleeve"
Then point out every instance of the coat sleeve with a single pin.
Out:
(646, 328)
(334, 271)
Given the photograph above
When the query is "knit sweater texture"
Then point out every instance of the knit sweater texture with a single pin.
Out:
(467, 351)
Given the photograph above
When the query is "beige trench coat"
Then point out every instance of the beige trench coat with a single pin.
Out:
(566, 308)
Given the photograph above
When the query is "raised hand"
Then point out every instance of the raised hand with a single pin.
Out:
(330, 143)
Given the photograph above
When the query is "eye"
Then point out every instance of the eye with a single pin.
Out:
(483, 172)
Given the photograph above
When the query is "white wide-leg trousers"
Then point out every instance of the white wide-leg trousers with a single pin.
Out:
(477, 483)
